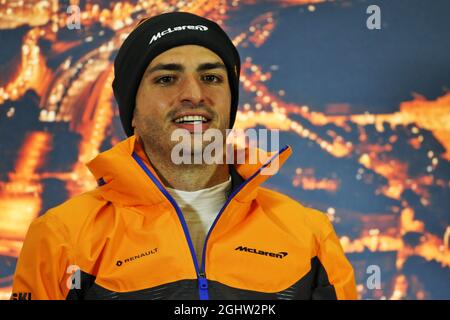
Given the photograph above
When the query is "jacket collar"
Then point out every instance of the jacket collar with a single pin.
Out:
(127, 178)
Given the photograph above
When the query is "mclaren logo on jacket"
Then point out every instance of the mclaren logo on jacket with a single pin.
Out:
(279, 255)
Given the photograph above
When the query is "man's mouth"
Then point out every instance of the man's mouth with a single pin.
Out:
(191, 120)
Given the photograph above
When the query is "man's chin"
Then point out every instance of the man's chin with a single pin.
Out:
(195, 128)
(196, 152)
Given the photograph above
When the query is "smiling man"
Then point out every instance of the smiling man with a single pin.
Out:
(184, 87)
(154, 229)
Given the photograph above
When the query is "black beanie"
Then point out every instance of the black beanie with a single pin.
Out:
(160, 33)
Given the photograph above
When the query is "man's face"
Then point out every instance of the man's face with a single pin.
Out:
(180, 85)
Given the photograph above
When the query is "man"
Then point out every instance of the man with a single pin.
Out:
(154, 229)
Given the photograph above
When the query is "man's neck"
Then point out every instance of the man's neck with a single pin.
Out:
(187, 177)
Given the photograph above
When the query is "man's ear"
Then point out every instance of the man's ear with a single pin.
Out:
(133, 121)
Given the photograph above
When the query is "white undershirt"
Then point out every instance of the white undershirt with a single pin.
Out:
(200, 208)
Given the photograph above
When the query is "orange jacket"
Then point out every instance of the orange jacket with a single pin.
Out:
(128, 239)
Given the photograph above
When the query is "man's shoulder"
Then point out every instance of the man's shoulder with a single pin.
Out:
(292, 211)
(74, 212)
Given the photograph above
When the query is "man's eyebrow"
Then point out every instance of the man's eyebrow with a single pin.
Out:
(166, 66)
(211, 65)
(179, 67)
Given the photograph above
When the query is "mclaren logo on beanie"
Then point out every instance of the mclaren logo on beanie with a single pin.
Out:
(179, 28)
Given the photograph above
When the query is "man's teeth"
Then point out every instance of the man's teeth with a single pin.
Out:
(191, 119)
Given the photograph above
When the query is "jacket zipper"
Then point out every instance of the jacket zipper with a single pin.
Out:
(201, 276)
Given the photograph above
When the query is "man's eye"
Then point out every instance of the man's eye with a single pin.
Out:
(165, 80)
(212, 78)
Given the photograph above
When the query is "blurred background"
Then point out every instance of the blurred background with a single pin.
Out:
(367, 112)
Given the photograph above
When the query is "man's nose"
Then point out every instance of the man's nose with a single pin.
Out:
(191, 91)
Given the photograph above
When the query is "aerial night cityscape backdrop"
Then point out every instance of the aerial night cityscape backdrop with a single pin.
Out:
(367, 113)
